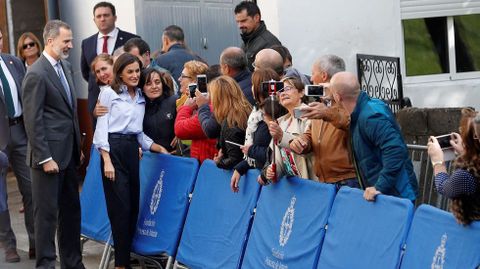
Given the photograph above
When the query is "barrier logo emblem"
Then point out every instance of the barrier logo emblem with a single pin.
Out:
(157, 194)
(439, 258)
(287, 223)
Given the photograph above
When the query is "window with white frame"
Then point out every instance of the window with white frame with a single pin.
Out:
(441, 39)
(442, 45)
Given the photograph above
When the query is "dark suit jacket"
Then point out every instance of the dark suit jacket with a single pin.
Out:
(89, 52)
(51, 123)
(17, 70)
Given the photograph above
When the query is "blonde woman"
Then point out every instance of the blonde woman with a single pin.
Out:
(231, 109)
(189, 75)
(28, 48)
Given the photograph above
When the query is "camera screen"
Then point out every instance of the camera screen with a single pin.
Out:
(272, 86)
(192, 87)
(444, 141)
(314, 90)
(202, 83)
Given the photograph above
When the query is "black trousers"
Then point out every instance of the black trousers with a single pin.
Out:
(56, 203)
(122, 194)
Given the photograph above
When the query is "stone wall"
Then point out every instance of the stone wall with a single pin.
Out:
(419, 123)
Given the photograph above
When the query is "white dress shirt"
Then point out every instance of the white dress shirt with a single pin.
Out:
(112, 39)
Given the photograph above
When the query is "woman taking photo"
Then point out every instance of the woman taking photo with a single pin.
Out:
(463, 185)
(160, 109)
(117, 136)
(187, 124)
(285, 129)
(28, 48)
(189, 75)
(231, 109)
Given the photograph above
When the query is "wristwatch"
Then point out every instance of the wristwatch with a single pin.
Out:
(436, 163)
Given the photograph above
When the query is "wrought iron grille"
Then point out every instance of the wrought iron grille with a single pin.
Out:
(381, 78)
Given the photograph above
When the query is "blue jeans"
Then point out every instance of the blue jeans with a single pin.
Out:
(350, 182)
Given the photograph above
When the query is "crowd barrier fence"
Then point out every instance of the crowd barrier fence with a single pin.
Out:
(295, 223)
(426, 180)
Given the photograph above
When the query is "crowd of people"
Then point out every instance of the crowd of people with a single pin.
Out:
(255, 112)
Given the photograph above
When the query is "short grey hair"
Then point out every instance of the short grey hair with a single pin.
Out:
(331, 64)
(52, 29)
(235, 58)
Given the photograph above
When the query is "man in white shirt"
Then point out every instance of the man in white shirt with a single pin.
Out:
(107, 40)
(13, 141)
(53, 152)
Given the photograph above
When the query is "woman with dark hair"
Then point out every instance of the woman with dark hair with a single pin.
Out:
(28, 48)
(257, 137)
(160, 108)
(463, 185)
(118, 135)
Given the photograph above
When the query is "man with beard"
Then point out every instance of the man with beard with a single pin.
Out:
(53, 153)
(254, 34)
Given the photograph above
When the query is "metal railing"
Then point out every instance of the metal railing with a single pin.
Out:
(427, 193)
(380, 77)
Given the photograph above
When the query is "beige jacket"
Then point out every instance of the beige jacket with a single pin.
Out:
(293, 127)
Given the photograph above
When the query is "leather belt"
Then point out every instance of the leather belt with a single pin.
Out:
(15, 121)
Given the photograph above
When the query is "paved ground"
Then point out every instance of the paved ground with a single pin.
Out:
(91, 254)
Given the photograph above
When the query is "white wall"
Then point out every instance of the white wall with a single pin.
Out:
(311, 28)
(79, 14)
(460, 93)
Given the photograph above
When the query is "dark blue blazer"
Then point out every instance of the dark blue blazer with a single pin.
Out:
(89, 52)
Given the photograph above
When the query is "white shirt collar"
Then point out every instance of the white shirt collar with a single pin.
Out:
(113, 34)
(52, 61)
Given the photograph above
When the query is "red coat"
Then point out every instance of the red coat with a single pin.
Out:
(188, 127)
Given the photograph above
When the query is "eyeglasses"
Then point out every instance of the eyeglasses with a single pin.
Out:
(253, 65)
(287, 89)
(31, 45)
(182, 76)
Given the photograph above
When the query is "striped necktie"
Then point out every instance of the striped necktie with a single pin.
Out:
(64, 82)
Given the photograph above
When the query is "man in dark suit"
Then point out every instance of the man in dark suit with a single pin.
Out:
(106, 40)
(53, 153)
(13, 141)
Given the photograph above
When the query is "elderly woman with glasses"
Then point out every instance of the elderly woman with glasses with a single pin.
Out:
(187, 125)
(189, 75)
(284, 130)
(28, 48)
